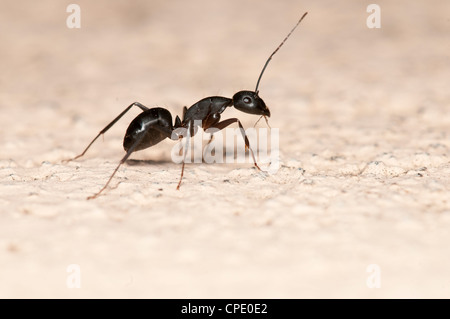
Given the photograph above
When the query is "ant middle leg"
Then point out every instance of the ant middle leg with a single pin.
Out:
(189, 131)
(129, 151)
(156, 130)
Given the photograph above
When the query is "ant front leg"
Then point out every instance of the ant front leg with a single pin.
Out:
(227, 122)
(107, 127)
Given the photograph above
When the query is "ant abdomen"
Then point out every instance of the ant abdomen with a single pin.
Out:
(149, 128)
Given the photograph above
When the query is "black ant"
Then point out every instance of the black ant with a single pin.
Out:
(154, 125)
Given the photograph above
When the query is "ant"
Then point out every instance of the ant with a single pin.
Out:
(155, 124)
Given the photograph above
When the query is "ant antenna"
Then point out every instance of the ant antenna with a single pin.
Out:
(281, 44)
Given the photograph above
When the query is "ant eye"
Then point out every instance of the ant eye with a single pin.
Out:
(247, 100)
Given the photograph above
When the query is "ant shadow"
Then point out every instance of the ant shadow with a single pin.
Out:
(137, 162)
(225, 158)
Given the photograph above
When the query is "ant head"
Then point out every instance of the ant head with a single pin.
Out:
(250, 102)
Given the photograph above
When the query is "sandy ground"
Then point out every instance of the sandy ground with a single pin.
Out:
(364, 143)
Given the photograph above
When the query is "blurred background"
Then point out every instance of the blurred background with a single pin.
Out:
(172, 54)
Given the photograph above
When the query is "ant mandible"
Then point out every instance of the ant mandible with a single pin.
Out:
(155, 124)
